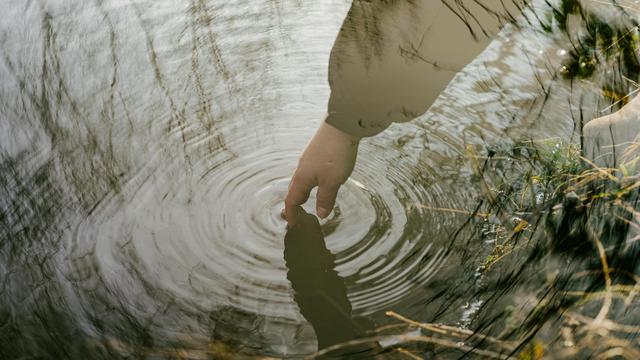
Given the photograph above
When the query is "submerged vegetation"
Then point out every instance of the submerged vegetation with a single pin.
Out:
(600, 44)
(560, 278)
(557, 273)
(563, 235)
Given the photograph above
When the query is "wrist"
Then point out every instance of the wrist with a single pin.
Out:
(336, 134)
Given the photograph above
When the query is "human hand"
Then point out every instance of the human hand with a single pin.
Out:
(613, 140)
(326, 162)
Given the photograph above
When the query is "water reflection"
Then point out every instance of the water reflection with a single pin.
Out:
(391, 60)
(145, 149)
(319, 292)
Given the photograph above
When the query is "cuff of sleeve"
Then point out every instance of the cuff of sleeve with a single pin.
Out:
(353, 125)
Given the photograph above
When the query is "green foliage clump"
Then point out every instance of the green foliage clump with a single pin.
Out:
(601, 44)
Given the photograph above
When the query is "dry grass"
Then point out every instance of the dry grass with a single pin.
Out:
(592, 318)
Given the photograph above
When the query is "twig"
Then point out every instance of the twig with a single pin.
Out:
(453, 331)
(455, 211)
(414, 338)
(606, 304)
(408, 353)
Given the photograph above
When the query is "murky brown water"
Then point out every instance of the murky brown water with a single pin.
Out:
(146, 151)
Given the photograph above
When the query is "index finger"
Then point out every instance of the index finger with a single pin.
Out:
(297, 195)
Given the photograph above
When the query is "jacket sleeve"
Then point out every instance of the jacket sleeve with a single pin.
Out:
(392, 58)
(373, 76)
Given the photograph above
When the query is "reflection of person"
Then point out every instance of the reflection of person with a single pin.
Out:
(379, 74)
(320, 292)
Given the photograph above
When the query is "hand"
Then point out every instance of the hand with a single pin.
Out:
(326, 162)
(612, 140)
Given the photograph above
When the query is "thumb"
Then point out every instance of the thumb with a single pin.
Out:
(326, 199)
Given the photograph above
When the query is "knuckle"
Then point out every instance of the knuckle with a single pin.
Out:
(299, 180)
(327, 197)
(333, 187)
(330, 183)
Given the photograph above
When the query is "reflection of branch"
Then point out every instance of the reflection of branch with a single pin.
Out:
(408, 353)
(607, 324)
(442, 330)
(413, 338)
(454, 211)
(414, 53)
(453, 331)
(462, 18)
(606, 304)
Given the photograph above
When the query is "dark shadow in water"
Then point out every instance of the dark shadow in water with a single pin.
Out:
(320, 292)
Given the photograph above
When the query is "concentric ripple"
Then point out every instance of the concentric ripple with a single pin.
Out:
(212, 237)
(147, 148)
(194, 241)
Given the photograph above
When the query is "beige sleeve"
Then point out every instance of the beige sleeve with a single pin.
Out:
(391, 59)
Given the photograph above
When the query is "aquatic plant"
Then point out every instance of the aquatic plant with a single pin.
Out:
(564, 255)
(600, 44)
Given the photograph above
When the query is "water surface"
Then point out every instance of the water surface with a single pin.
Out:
(146, 150)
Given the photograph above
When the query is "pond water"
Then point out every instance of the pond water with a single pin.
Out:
(146, 148)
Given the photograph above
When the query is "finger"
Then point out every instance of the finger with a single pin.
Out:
(294, 220)
(297, 195)
(326, 199)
